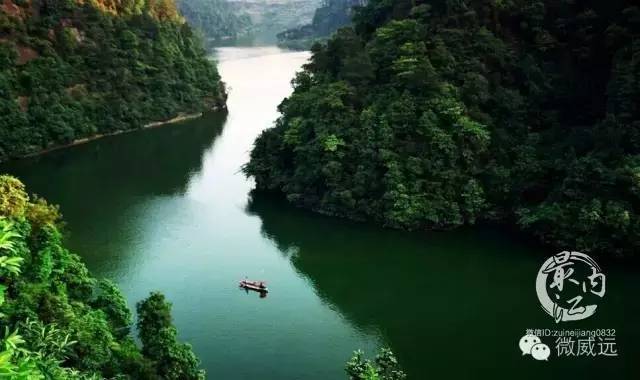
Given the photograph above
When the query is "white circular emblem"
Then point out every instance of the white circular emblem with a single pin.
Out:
(570, 285)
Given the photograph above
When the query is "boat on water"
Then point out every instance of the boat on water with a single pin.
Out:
(258, 286)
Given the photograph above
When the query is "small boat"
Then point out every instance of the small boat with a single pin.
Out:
(258, 286)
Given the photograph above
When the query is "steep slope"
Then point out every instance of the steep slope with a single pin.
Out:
(71, 69)
(438, 114)
(59, 322)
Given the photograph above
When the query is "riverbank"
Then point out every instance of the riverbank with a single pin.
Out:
(181, 117)
(166, 209)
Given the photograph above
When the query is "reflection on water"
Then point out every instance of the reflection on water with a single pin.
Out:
(451, 305)
(253, 293)
(100, 185)
(163, 209)
(167, 209)
(157, 161)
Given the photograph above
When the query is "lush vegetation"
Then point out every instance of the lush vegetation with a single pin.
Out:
(72, 69)
(329, 17)
(433, 115)
(215, 18)
(58, 322)
(384, 367)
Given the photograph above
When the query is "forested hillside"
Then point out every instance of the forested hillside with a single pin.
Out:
(71, 69)
(57, 322)
(215, 18)
(433, 115)
(332, 15)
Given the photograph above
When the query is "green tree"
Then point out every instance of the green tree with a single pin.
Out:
(466, 112)
(58, 322)
(70, 70)
(384, 367)
(175, 360)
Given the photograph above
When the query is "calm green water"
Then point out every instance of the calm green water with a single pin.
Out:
(167, 209)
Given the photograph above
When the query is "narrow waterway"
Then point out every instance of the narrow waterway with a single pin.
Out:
(168, 209)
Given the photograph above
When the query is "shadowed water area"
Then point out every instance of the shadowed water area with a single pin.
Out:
(168, 209)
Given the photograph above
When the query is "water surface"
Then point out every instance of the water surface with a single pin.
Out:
(167, 209)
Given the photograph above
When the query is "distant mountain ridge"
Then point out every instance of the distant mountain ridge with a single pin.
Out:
(216, 19)
(332, 15)
(270, 17)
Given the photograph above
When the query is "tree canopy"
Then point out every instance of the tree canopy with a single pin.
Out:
(432, 115)
(73, 69)
(58, 322)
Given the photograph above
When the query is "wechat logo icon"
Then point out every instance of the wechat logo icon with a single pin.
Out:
(531, 345)
(569, 286)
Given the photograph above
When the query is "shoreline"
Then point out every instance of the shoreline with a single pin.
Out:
(155, 124)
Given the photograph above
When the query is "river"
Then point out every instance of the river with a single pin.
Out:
(168, 209)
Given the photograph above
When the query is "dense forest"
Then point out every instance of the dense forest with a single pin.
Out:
(438, 114)
(215, 19)
(71, 69)
(60, 323)
(329, 17)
